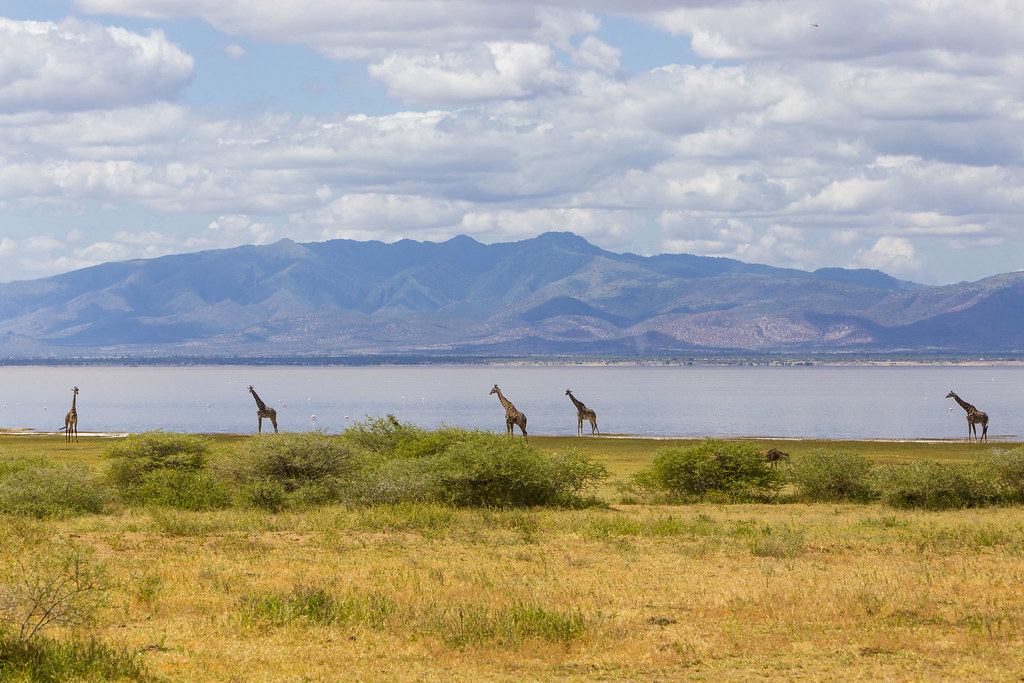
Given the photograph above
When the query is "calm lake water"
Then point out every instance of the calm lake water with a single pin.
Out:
(687, 401)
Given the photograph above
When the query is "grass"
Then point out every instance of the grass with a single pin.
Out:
(426, 591)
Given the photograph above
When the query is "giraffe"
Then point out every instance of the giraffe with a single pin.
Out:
(512, 416)
(583, 413)
(71, 419)
(263, 411)
(974, 418)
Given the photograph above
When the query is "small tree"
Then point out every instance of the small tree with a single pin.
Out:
(825, 475)
(138, 454)
(274, 470)
(483, 468)
(715, 465)
(47, 589)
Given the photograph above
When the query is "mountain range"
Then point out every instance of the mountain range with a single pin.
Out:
(555, 293)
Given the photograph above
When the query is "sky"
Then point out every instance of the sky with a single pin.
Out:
(880, 134)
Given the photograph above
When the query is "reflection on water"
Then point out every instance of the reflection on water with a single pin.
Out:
(689, 401)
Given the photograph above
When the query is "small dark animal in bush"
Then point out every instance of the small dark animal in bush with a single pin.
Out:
(512, 416)
(263, 411)
(774, 455)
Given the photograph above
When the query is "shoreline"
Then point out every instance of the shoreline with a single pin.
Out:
(994, 438)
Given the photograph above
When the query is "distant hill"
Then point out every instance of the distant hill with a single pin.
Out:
(555, 293)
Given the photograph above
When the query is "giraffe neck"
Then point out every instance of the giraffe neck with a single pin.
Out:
(74, 400)
(507, 404)
(964, 404)
(259, 404)
(579, 404)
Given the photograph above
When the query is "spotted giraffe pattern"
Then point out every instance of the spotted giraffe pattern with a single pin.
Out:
(974, 418)
(512, 415)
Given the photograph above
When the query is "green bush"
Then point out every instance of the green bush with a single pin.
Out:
(40, 488)
(827, 476)
(389, 438)
(1007, 468)
(132, 458)
(394, 481)
(935, 486)
(44, 659)
(735, 469)
(483, 468)
(278, 470)
(181, 488)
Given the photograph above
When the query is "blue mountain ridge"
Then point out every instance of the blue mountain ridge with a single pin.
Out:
(555, 293)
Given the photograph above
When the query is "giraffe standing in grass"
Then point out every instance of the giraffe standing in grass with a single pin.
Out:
(512, 416)
(262, 411)
(71, 419)
(974, 418)
(583, 413)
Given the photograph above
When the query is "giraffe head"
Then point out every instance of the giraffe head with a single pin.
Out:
(568, 392)
(251, 389)
(494, 390)
(951, 395)
(75, 390)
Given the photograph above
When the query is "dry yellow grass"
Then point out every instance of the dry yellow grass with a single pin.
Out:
(636, 593)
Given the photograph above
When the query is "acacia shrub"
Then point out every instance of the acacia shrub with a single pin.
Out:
(824, 475)
(386, 437)
(474, 468)
(133, 457)
(733, 468)
(935, 486)
(1007, 470)
(483, 468)
(37, 487)
(291, 468)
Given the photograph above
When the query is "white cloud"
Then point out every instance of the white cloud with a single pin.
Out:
(483, 72)
(234, 51)
(897, 120)
(75, 66)
(596, 55)
(367, 216)
(893, 255)
(605, 228)
(230, 231)
(784, 29)
(349, 30)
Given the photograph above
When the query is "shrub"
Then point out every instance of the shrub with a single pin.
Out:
(275, 470)
(47, 587)
(132, 458)
(183, 489)
(43, 659)
(1007, 469)
(389, 438)
(483, 468)
(395, 481)
(823, 476)
(935, 486)
(40, 488)
(316, 605)
(714, 466)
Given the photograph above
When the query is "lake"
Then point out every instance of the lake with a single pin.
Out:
(831, 402)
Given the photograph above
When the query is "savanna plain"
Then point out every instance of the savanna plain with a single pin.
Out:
(209, 572)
